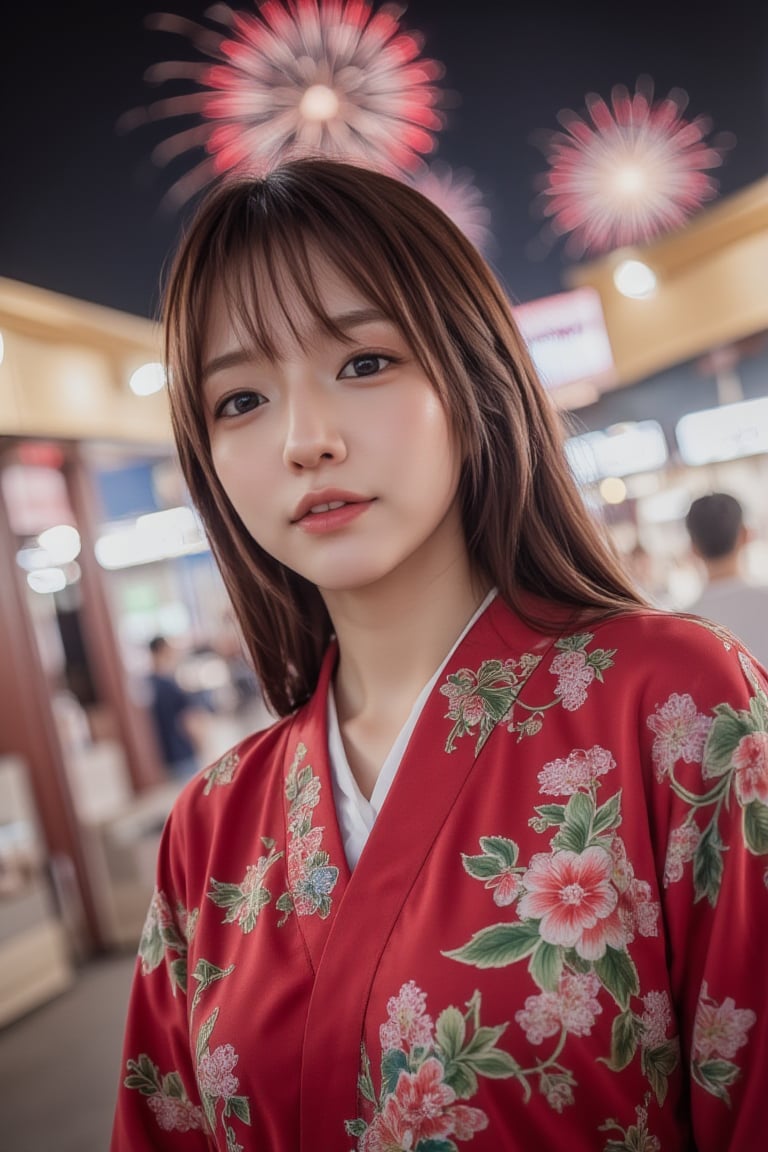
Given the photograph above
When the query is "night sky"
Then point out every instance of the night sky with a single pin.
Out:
(82, 206)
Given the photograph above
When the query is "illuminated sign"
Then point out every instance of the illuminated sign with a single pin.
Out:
(724, 433)
(567, 337)
(621, 450)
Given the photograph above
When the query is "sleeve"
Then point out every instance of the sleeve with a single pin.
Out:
(158, 1105)
(705, 737)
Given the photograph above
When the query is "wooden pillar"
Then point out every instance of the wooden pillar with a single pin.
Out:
(132, 724)
(28, 730)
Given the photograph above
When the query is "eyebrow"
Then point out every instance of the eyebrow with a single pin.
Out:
(343, 321)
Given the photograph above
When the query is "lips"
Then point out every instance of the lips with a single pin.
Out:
(325, 501)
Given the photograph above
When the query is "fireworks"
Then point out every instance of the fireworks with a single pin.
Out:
(628, 172)
(298, 77)
(455, 193)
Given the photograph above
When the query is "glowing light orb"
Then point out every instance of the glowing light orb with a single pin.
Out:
(634, 279)
(625, 173)
(295, 77)
(319, 102)
(455, 192)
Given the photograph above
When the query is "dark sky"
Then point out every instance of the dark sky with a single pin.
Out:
(80, 203)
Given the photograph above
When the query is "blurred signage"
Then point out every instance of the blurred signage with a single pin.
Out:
(724, 433)
(621, 450)
(567, 337)
(36, 498)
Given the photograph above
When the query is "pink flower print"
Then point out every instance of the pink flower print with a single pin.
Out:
(422, 1108)
(409, 1024)
(506, 888)
(577, 772)
(683, 842)
(637, 911)
(214, 1072)
(540, 1017)
(751, 763)
(572, 895)
(472, 709)
(656, 1019)
(467, 1121)
(558, 1092)
(573, 1007)
(175, 1115)
(680, 733)
(574, 676)
(720, 1029)
(300, 849)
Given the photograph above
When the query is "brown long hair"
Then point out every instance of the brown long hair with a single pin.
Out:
(526, 526)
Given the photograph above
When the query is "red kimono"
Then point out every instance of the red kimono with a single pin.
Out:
(555, 937)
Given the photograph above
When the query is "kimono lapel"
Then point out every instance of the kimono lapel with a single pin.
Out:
(475, 691)
(318, 872)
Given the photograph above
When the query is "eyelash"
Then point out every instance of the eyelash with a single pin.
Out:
(384, 362)
(220, 413)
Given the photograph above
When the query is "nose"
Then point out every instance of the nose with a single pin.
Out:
(312, 433)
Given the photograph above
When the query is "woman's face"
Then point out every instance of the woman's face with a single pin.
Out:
(338, 455)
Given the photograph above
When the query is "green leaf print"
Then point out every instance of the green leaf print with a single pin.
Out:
(758, 710)
(204, 1035)
(437, 1146)
(625, 1034)
(728, 729)
(462, 1079)
(498, 945)
(482, 867)
(393, 1062)
(708, 865)
(715, 1076)
(546, 965)
(144, 1076)
(575, 643)
(756, 827)
(607, 816)
(172, 1086)
(355, 1127)
(658, 1064)
(206, 974)
(548, 814)
(503, 849)
(616, 970)
(451, 1029)
(238, 1106)
(496, 701)
(575, 832)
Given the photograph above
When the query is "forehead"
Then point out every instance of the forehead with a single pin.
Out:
(276, 307)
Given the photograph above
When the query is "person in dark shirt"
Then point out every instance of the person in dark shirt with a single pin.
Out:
(171, 708)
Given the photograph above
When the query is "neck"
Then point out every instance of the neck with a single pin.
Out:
(392, 638)
(723, 568)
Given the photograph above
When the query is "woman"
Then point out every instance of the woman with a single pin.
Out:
(495, 879)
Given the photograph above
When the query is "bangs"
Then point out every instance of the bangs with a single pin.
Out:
(267, 267)
(263, 253)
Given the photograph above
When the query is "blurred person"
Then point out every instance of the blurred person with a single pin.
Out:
(495, 877)
(176, 713)
(718, 535)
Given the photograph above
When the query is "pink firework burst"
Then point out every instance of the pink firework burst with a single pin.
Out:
(626, 173)
(298, 77)
(455, 192)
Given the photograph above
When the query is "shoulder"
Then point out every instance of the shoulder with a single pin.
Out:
(660, 650)
(245, 778)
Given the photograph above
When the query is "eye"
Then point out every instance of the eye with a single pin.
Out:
(238, 404)
(366, 364)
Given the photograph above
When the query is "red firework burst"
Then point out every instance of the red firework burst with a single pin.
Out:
(459, 197)
(629, 172)
(298, 77)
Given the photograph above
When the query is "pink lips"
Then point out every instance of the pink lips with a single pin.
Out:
(334, 510)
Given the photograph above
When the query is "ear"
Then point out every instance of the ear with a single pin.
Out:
(745, 536)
